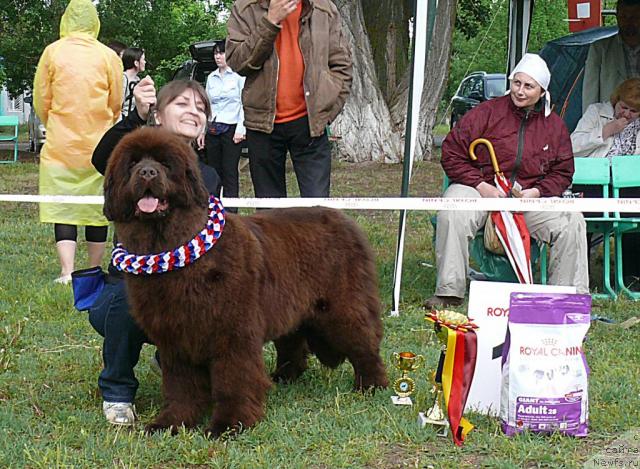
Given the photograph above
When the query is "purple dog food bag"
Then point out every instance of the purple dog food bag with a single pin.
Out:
(544, 369)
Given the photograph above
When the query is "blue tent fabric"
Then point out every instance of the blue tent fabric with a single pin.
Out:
(565, 58)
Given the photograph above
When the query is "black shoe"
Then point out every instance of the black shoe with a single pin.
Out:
(439, 302)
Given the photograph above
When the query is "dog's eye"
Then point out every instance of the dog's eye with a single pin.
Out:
(166, 165)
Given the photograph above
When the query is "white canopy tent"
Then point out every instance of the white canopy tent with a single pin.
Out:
(520, 13)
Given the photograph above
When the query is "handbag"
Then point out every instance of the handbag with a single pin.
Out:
(87, 287)
(218, 128)
(491, 241)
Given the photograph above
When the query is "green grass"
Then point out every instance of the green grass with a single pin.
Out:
(50, 358)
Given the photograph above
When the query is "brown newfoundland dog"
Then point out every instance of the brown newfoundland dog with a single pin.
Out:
(303, 278)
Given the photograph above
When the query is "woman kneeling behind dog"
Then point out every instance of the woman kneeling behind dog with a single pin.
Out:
(183, 108)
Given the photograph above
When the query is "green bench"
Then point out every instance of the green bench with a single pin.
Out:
(11, 122)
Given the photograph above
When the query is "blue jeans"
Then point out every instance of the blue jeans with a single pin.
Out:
(123, 340)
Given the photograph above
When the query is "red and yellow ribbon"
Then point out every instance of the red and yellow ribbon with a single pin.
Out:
(459, 365)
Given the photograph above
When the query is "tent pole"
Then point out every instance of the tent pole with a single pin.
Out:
(423, 24)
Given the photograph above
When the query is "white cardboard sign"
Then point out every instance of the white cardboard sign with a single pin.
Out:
(489, 309)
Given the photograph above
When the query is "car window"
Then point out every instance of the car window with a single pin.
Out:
(465, 88)
(476, 86)
(496, 87)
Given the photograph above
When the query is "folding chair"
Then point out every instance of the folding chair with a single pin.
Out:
(596, 172)
(10, 121)
(625, 172)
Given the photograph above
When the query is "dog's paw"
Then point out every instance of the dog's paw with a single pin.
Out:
(286, 374)
(156, 427)
(370, 385)
(222, 431)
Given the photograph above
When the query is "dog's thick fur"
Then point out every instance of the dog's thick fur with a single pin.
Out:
(304, 278)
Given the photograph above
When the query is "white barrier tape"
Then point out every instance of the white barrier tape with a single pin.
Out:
(390, 203)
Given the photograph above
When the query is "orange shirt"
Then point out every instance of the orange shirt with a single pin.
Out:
(290, 102)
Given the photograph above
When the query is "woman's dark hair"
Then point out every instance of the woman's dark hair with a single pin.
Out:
(175, 88)
(219, 46)
(129, 57)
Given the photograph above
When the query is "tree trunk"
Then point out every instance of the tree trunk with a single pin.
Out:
(363, 130)
(435, 80)
(387, 23)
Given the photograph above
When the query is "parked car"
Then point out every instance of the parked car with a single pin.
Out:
(474, 89)
(200, 65)
(37, 130)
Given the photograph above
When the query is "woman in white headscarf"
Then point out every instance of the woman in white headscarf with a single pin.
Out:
(77, 95)
(533, 149)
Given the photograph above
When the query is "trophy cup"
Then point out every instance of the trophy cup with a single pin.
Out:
(404, 386)
(435, 414)
(451, 328)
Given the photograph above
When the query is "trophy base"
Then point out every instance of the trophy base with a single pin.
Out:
(397, 400)
(443, 425)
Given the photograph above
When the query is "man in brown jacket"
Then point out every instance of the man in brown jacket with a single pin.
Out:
(298, 71)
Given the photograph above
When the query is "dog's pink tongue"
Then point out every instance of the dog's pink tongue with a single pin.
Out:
(148, 204)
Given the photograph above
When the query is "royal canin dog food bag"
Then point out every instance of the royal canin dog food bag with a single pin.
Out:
(544, 369)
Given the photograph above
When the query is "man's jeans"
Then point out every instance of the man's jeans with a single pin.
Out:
(311, 158)
(123, 340)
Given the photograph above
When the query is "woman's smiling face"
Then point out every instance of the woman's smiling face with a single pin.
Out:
(525, 91)
(185, 115)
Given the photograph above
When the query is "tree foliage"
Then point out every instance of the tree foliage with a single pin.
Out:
(472, 16)
(481, 38)
(164, 28)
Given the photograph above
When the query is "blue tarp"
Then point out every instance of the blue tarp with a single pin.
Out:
(566, 57)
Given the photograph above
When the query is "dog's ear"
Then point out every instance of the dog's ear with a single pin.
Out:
(115, 208)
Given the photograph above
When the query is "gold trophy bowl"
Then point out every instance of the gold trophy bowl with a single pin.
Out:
(404, 385)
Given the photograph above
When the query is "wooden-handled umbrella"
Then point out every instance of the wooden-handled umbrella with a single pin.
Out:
(511, 228)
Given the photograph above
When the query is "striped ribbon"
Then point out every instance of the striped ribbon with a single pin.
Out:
(457, 372)
(179, 257)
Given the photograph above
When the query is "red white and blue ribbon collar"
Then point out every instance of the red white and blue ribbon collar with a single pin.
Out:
(179, 257)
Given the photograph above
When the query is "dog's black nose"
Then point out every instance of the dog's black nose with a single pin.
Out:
(147, 172)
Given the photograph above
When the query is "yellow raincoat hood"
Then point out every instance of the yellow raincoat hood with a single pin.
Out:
(80, 17)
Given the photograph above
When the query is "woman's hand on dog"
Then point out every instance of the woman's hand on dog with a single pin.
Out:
(145, 96)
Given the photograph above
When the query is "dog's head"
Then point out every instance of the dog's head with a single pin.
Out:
(151, 172)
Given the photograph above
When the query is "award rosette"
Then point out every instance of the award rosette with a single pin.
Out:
(456, 366)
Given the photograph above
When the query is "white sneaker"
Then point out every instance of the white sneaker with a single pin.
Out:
(119, 413)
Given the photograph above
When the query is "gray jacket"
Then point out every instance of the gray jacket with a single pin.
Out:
(604, 70)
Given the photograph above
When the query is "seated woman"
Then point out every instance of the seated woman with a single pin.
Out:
(611, 129)
(533, 149)
(183, 108)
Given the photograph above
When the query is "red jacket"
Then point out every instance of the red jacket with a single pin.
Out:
(547, 158)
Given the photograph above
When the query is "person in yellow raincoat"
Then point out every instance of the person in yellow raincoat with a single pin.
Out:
(77, 95)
